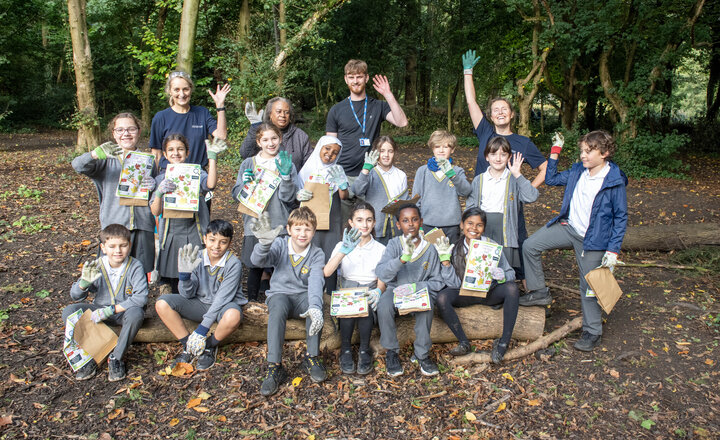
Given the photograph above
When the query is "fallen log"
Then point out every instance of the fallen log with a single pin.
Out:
(479, 322)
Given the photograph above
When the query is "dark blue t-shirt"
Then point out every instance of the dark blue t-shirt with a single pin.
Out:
(340, 120)
(195, 125)
(519, 144)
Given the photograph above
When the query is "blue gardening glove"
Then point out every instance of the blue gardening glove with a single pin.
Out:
(351, 238)
(444, 248)
(188, 260)
(432, 164)
(498, 274)
(316, 320)
(284, 164)
(215, 147)
(337, 176)
(446, 167)
(102, 314)
(408, 248)
(248, 176)
(469, 60)
(371, 159)
(262, 230)
(166, 186)
(108, 149)
(303, 195)
(196, 341)
(90, 272)
(373, 298)
(253, 115)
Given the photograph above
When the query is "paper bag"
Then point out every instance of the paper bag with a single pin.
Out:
(175, 213)
(392, 207)
(319, 204)
(432, 235)
(97, 339)
(124, 201)
(606, 288)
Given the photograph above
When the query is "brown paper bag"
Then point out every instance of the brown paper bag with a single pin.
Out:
(126, 201)
(97, 339)
(319, 204)
(606, 288)
(242, 209)
(432, 236)
(176, 213)
(475, 293)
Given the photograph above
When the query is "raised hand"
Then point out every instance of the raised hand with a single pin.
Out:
(516, 164)
(188, 258)
(371, 159)
(102, 314)
(303, 195)
(220, 94)
(382, 85)
(166, 186)
(337, 176)
(351, 238)
(90, 273)
(253, 115)
(215, 147)
(263, 230)
(444, 248)
(316, 320)
(469, 60)
(284, 163)
(446, 167)
(408, 248)
(558, 143)
(108, 149)
(373, 298)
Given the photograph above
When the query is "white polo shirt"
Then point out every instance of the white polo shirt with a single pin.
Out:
(395, 180)
(583, 197)
(492, 198)
(359, 265)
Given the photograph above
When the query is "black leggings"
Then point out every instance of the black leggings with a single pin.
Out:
(506, 294)
(253, 282)
(347, 326)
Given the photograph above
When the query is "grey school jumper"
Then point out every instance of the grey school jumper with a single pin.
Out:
(439, 204)
(131, 293)
(453, 281)
(216, 287)
(425, 271)
(516, 190)
(294, 287)
(372, 188)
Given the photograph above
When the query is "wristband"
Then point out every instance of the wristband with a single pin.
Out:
(368, 166)
(220, 109)
(405, 258)
(556, 149)
(467, 72)
(212, 155)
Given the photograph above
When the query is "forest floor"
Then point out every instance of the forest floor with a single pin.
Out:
(654, 376)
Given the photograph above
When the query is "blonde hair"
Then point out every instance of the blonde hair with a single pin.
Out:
(442, 136)
(302, 216)
(356, 67)
(171, 77)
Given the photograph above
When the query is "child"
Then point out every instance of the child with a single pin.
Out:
(321, 168)
(408, 259)
(295, 290)
(121, 290)
(592, 221)
(278, 207)
(498, 192)
(210, 291)
(502, 291)
(103, 165)
(439, 185)
(357, 255)
(379, 183)
(175, 233)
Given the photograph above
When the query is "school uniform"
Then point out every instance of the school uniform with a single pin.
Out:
(424, 270)
(105, 174)
(379, 188)
(439, 204)
(125, 286)
(296, 285)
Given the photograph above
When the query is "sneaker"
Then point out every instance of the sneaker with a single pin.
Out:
(536, 298)
(461, 349)
(275, 376)
(365, 362)
(314, 368)
(587, 341)
(116, 369)
(87, 371)
(184, 357)
(207, 358)
(498, 351)
(347, 364)
(428, 367)
(392, 364)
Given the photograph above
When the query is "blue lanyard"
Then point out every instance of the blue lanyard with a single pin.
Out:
(352, 109)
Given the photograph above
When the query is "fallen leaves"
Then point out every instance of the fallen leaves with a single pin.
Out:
(179, 370)
(501, 407)
(470, 416)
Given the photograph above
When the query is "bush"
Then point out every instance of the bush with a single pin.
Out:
(652, 155)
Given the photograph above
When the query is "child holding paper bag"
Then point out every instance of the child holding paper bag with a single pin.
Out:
(503, 289)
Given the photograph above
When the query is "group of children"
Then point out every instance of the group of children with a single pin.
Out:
(373, 249)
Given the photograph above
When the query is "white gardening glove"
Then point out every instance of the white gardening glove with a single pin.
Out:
(373, 298)
(215, 147)
(166, 186)
(316, 320)
(444, 248)
(610, 260)
(498, 274)
(558, 143)
(188, 260)
(108, 149)
(446, 167)
(371, 159)
(262, 230)
(253, 115)
(408, 248)
(337, 176)
(102, 314)
(148, 183)
(303, 195)
(90, 272)
(196, 341)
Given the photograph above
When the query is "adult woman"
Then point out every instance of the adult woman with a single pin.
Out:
(281, 114)
(192, 121)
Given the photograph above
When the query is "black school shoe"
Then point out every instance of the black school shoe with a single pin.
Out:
(587, 341)
(347, 364)
(392, 364)
(315, 368)
(540, 297)
(275, 376)
(461, 349)
(498, 351)
(184, 357)
(87, 371)
(116, 369)
(365, 362)
(207, 358)
(428, 367)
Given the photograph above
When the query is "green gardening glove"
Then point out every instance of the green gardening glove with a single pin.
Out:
(469, 60)
(408, 248)
(447, 168)
(215, 147)
(90, 273)
(284, 164)
(108, 149)
(100, 315)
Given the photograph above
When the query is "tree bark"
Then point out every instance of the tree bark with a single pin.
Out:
(88, 131)
(145, 92)
(186, 42)
(282, 23)
(411, 79)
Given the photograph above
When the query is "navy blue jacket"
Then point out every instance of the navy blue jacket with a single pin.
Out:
(608, 217)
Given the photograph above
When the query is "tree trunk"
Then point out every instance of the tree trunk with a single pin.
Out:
(283, 41)
(145, 108)
(713, 87)
(88, 130)
(186, 42)
(411, 79)
(611, 93)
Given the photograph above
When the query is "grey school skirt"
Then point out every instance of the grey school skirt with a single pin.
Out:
(494, 231)
(181, 231)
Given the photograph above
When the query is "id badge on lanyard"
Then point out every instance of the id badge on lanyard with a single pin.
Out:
(364, 141)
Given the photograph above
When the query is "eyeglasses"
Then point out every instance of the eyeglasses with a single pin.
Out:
(129, 130)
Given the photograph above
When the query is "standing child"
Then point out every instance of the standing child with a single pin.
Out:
(408, 259)
(295, 291)
(103, 165)
(210, 291)
(499, 192)
(502, 290)
(379, 183)
(175, 233)
(278, 207)
(321, 168)
(439, 184)
(356, 256)
(120, 287)
(592, 221)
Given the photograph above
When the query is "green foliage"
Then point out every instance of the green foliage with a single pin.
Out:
(707, 257)
(42, 294)
(30, 225)
(23, 192)
(652, 155)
